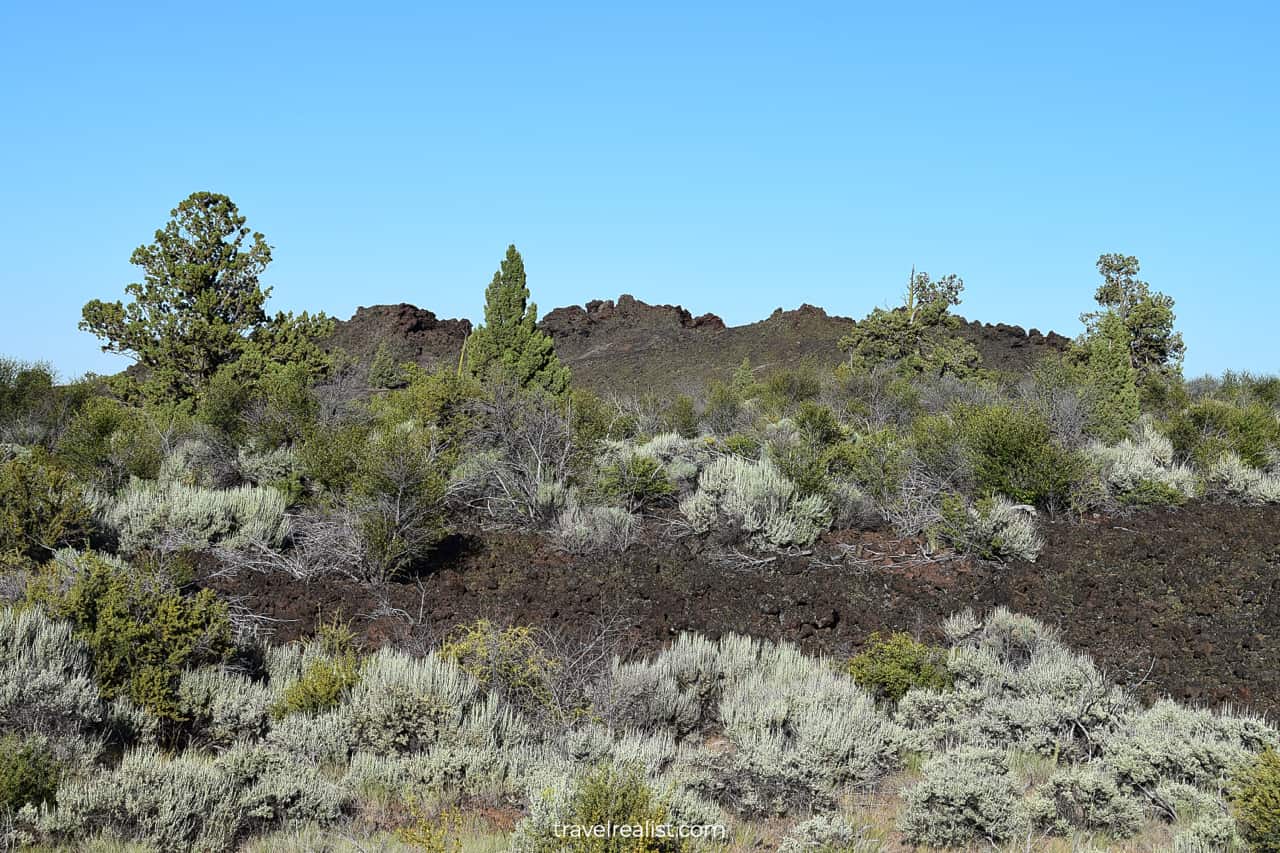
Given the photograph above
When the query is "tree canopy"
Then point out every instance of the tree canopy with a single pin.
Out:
(917, 336)
(200, 306)
(1155, 349)
(509, 347)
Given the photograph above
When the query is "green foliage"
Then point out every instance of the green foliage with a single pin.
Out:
(1110, 379)
(1255, 798)
(508, 660)
(681, 417)
(783, 390)
(1152, 493)
(429, 833)
(141, 632)
(109, 442)
(917, 336)
(1155, 350)
(330, 454)
(878, 462)
(284, 407)
(1012, 453)
(617, 796)
(26, 391)
(398, 493)
(594, 420)
(41, 507)
(327, 679)
(724, 408)
(384, 370)
(818, 451)
(634, 482)
(200, 306)
(443, 400)
(741, 444)
(890, 666)
(28, 773)
(1208, 429)
(509, 347)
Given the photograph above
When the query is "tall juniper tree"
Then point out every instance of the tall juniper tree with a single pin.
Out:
(199, 310)
(509, 347)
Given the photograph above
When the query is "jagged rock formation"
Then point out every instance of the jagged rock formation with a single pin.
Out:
(631, 345)
(410, 333)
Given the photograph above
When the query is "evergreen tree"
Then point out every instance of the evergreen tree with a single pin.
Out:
(199, 309)
(384, 372)
(509, 347)
(1155, 349)
(1110, 380)
(918, 336)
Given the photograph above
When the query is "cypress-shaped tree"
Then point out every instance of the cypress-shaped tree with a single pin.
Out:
(1110, 379)
(509, 346)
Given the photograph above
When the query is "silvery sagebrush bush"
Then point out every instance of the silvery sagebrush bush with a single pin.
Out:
(1171, 742)
(1087, 797)
(150, 514)
(754, 499)
(223, 707)
(47, 686)
(967, 795)
(193, 801)
(1145, 458)
(1230, 476)
(831, 833)
(798, 729)
(1016, 685)
(404, 704)
(585, 529)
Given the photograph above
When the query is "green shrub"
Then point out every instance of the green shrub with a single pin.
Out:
(878, 462)
(635, 482)
(140, 631)
(741, 444)
(783, 390)
(398, 495)
(327, 679)
(41, 507)
(614, 796)
(681, 417)
(508, 660)
(1012, 454)
(724, 408)
(890, 666)
(110, 442)
(28, 773)
(330, 454)
(1255, 797)
(594, 420)
(1208, 429)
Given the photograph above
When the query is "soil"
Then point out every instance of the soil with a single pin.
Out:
(1181, 602)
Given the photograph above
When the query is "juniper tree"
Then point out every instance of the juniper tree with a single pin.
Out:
(1155, 349)
(200, 307)
(1110, 380)
(917, 336)
(509, 347)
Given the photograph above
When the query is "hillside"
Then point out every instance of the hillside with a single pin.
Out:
(631, 344)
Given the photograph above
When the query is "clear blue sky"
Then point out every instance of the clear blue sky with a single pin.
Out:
(729, 157)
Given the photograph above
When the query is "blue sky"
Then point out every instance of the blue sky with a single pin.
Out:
(730, 158)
